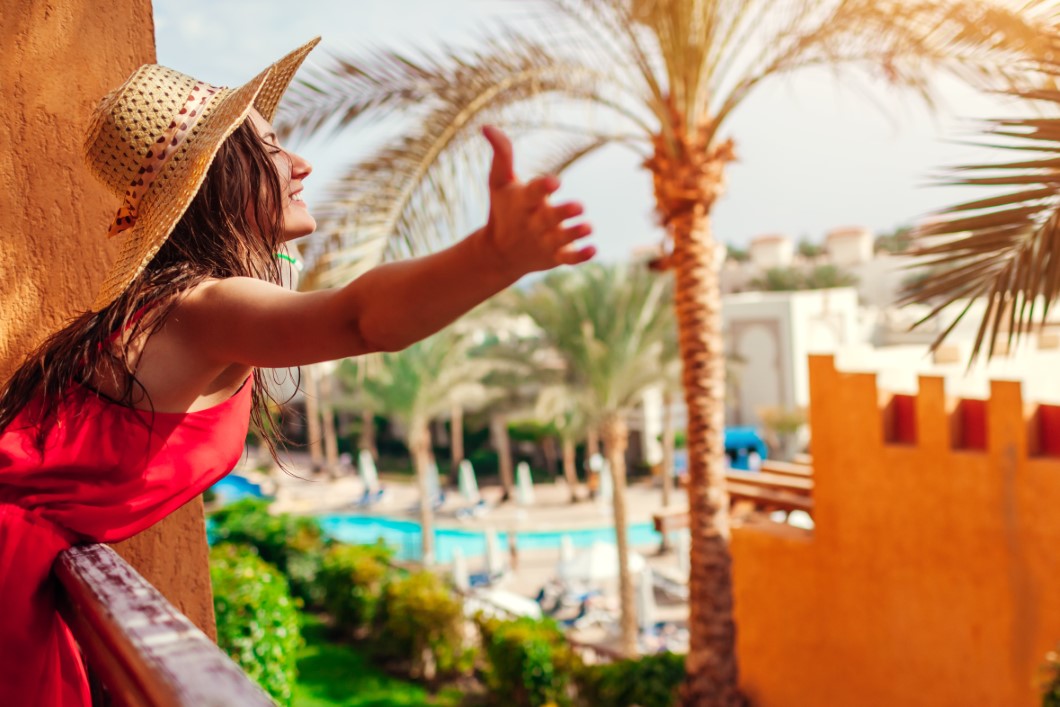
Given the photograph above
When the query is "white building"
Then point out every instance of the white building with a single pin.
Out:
(772, 251)
(848, 246)
(768, 336)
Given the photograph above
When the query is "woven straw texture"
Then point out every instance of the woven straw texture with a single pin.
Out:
(125, 127)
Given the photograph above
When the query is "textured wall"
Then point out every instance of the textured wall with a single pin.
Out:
(60, 58)
(931, 576)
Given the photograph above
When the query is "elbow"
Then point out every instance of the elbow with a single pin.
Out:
(368, 339)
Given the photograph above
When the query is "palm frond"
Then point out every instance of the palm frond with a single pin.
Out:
(1003, 250)
(411, 196)
(910, 44)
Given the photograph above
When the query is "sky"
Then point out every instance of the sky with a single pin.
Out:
(812, 154)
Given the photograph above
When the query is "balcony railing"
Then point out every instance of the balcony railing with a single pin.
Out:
(141, 648)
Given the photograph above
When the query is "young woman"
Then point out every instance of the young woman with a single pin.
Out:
(143, 402)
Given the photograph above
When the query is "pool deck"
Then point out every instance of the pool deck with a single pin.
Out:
(300, 492)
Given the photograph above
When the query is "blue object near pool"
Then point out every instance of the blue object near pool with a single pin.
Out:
(235, 488)
(740, 442)
(404, 536)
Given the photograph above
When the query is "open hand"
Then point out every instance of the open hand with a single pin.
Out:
(526, 232)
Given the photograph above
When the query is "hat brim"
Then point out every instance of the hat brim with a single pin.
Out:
(164, 204)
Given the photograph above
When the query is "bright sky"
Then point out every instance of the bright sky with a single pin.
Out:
(813, 156)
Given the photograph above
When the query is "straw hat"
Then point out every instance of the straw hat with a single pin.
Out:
(151, 142)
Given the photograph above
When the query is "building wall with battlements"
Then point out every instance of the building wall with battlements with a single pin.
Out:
(932, 576)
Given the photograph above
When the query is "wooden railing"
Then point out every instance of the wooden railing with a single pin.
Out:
(142, 649)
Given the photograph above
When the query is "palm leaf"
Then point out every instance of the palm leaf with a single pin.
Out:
(1004, 249)
(411, 196)
(910, 44)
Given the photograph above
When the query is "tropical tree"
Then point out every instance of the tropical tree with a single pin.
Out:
(416, 385)
(560, 404)
(665, 77)
(608, 325)
(1003, 249)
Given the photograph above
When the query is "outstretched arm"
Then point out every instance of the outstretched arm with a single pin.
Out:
(242, 320)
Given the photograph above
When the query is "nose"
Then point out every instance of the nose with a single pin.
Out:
(300, 167)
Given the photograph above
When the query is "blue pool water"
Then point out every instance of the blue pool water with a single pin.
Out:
(404, 536)
(234, 488)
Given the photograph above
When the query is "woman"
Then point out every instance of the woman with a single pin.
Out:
(144, 401)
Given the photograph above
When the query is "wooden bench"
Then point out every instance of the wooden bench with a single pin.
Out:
(762, 498)
(767, 480)
(765, 499)
(772, 466)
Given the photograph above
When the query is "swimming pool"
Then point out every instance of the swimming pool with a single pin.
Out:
(404, 536)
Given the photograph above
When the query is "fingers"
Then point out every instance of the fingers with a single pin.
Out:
(502, 170)
(549, 217)
(537, 190)
(572, 233)
(575, 256)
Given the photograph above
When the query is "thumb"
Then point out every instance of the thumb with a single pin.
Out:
(502, 171)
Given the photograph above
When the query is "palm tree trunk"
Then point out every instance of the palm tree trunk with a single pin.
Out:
(688, 176)
(419, 442)
(570, 472)
(312, 419)
(668, 440)
(711, 671)
(592, 442)
(327, 416)
(456, 441)
(616, 439)
(548, 449)
(502, 443)
(367, 437)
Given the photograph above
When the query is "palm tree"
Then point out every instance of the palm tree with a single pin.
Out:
(1003, 249)
(608, 325)
(415, 386)
(665, 76)
(558, 403)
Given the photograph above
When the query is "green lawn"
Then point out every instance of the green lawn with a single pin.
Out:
(332, 675)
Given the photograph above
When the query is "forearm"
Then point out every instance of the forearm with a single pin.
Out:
(397, 304)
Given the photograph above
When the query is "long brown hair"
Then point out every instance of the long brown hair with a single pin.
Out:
(218, 237)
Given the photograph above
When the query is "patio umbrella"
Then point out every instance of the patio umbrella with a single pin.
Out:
(607, 486)
(494, 557)
(461, 578)
(646, 600)
(595, 563)
(434, 483)
(566, 549)
(684, 557)
(467, 483)
(367, 471)
(524, 485)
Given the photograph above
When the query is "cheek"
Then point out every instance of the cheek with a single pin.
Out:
(283, 170)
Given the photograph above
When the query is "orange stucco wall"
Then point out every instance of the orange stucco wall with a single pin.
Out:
(932, 576)
(59, 58)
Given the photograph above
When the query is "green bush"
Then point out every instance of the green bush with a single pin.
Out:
(351, 580)
(529, 661)
(294, 544)
(258, 623)
(650, 681)
(1051, 680)
(420, 621)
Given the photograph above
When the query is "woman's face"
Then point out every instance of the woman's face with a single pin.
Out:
(292, 170)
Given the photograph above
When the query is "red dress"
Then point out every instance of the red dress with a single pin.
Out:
(106, 473)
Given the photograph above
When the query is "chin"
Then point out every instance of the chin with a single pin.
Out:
(297, 230)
